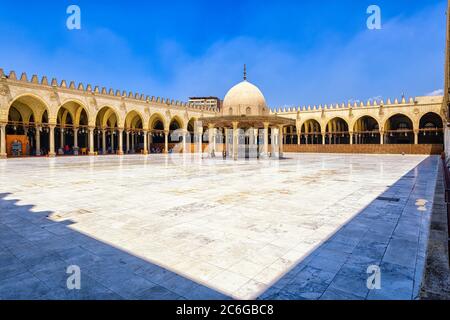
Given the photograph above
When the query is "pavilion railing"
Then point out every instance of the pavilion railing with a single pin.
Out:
(446, 171)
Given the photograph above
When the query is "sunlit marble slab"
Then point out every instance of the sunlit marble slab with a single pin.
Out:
(236, 228)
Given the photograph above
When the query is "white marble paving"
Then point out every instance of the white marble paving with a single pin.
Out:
(235, 227)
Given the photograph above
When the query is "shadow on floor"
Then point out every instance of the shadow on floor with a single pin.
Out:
(35, 253)
(391, 233)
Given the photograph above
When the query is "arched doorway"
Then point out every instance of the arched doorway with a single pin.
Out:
(134, 133)
(27, 131)
(174, 135)
(311, 133)
(290, 135)
(157, 132)
(71, 132)
(399, 129)
(431, 129)
(366, 131)
(337, 132)
(106, 133)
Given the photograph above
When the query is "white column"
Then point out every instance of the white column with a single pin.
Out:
(52, 152)
(145, 142)
(91, 141)
(166, 142)
(3, 154)
(128, 142)
(104, 141)
(215, 139)
(416, 136)
(211, 137)
(38, 141)
(132, 141)
(281, 134)
(75, 137)
(120, 150)
(381, 137)
(351, 137)
(235, 140)
(266, 138)
(199, 142)
(324, 134)
(225, 132)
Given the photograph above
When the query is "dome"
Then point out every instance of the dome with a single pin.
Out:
(245, 99)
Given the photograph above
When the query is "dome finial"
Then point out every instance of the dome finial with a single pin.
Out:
(245, 72)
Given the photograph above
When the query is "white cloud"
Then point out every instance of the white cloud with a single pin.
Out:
(372, 62)
(439, 92)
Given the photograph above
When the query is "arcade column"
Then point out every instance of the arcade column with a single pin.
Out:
(120, 150)
(38, 140)
(3, 154)
(145, 142)
(91, 141)
(52, 152)
(166, 142)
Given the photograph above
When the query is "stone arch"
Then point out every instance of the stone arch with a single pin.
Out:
(337, 131)
(134, 135)
(134, 120)
(366, 130)
(154, 119)
(176, 123)
(107, 130)
(431, 129)
(107, 117)
(76, 108)
(176, 119)
(157, 126)
(35, 103)
(399, 129)
(27, 131)
(311, 132)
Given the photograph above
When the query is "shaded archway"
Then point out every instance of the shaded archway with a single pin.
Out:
(399, 129)
(290, 135)
(157, 133)
(337, 132)
(175, 124)
(27, 130)
(134, 133)
(72, 131)
(431, 129)
(366, 131)
(311, 132)
(106, 133)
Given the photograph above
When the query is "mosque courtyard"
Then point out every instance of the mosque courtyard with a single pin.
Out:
(182, 227)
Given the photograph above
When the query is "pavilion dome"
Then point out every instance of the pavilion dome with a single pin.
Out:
(245, 99)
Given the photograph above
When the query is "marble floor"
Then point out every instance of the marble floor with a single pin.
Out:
(182, 227)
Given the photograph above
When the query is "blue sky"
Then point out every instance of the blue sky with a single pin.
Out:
(297, 52)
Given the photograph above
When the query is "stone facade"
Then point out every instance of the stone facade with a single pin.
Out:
(115, 122)
(381, 111)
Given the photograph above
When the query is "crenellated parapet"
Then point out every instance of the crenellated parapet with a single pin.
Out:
(381, 110)
(64, 86)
